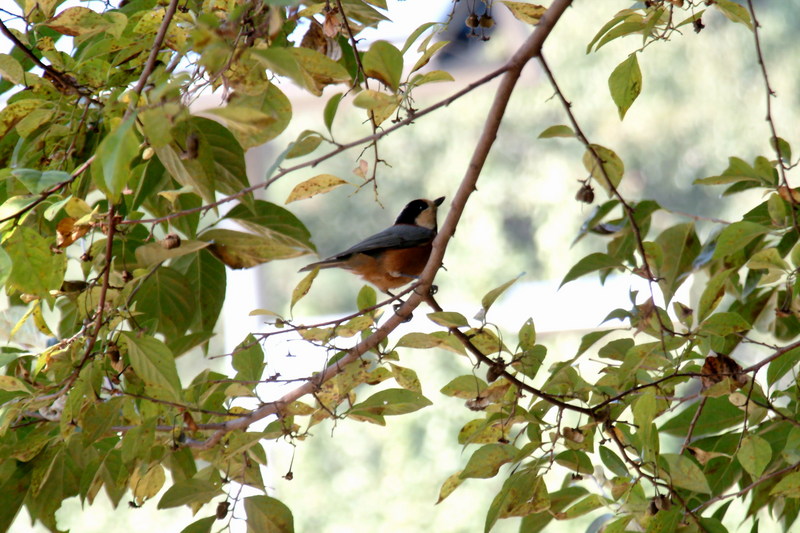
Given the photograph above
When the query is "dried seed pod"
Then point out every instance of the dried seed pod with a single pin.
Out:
(172, 240)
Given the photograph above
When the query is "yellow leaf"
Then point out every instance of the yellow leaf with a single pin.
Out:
(319, 184)
(530, 13)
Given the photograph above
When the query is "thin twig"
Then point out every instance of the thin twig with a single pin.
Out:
(769, 118)
(748, 488)
(692, 424)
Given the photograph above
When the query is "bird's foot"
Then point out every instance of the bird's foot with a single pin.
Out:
(397, 308)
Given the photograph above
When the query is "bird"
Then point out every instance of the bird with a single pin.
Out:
(394, 256)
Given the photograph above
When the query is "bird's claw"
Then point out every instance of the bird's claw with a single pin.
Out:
(397, 308)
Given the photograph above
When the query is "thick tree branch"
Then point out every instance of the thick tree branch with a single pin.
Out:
(513, 68)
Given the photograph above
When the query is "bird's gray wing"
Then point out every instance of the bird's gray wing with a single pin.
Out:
(397, 236)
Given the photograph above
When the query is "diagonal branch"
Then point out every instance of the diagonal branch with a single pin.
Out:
(513, 68)
(152, 59)
(63, 82)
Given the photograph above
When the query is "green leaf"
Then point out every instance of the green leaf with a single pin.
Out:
(487, 460)
(306, 142)
(432, 76)
(391, 402)
(575, 460)
(644, 412)
(523, 493)
(406, 378)
(613, 462)
(685, 474)
(591, 263)
(367, 297)
(302, 288)
(712, 294)
(527, 335)
(723, 324)
(222, 156)
(419, 340)
(620, 525)
(490, 297)
(187, 172)
(154, 363)
(151, 254)
(590, 339)
(244, 250)
(783, 364)
(559, 130)
(34, 268)
(449, 319)
(736, 236)
(609, 168)
(5, 266)
(36, 181)
(111, 166)
(203, 525)
(380, 105)
(450, 484)
(248, 360)
(167, 297)
(307, 68)
(256, 119)
(586, 505)
(530, 360)
(383, 62)
(465, 387)
(15, 112)
(207, 279)
(625, 84)
(79, 21)
(718, 414)
(768, 259)
(788, 486)
(330, 110)
(665, 521)
(268, 515)
(680, 246)
(15, 480)
(754, 455)
(735, 12)
(781, 146)
(274, 221)
(428, 54)
(189, 491)
(414, 35)
(11, 69)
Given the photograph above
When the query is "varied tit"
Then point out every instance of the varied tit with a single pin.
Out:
(396, 255)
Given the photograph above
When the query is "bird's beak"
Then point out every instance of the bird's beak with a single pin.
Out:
(438, 201)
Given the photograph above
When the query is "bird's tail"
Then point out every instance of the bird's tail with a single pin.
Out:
(327, 263)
